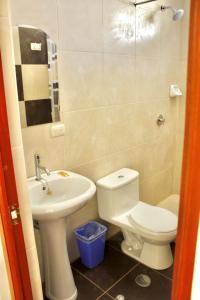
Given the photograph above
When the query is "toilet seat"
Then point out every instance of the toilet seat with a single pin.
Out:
(153, 218)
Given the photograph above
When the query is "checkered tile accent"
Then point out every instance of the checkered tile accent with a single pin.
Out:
(36, 74)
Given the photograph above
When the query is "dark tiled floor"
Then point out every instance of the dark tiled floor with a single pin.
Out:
(116, 275)
(159, 289)
(86, 289)
(114, 266)
(105, 297)
(115, 241)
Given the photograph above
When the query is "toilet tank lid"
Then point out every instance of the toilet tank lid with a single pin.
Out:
(118, 179)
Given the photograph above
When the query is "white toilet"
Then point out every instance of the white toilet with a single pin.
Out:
(148, 230)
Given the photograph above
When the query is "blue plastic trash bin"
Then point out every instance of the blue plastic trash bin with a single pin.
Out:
(91, 242)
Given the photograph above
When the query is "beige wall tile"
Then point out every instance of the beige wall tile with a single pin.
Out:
(148, 30)
(185, 34)
(127, 158)
(186, 5)
(146, 191)
(162, 183)
(147, 79)
(114, 39)
(178, 160)
(17, 50)
(22, 114)
(183, 75)
(181, 116)
(119, 127)
(35, 82)
(7, 54)
(80, 25)
(3, 8)
(110, 100)
(119, 79)
(172, 71)
(80, 75)
(142, 119)
(154, 157)
(16, 44)
(88, 136)
(37, 139)
(95, 169)
(40, 14)
(171, 35)
(156, 188)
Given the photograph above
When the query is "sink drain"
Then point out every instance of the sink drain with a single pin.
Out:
(143, 280)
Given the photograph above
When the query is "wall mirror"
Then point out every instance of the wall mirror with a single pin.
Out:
(37, 76)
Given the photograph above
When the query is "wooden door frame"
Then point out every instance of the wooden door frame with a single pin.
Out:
(190, 187)
(13, 233)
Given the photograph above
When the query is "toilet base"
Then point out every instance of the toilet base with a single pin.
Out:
(158, 257)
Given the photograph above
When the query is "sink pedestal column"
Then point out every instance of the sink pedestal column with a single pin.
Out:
(59, 281)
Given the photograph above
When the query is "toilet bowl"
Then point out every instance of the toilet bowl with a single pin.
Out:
(147, 230)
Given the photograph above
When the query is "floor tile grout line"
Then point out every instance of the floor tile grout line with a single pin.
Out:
(105, 291)
(116, 282)
(166, 277)
(84, 276)
(157, 271)
(104, 295)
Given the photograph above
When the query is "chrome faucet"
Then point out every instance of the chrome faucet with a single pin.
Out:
(39, 168)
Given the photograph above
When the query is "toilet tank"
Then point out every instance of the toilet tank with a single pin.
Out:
(117, 193)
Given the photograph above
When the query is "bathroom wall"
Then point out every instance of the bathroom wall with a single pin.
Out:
(5, 290)
(7, 54)
(182, 102)
(112, 90)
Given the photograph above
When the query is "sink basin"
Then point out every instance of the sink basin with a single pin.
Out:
(52, 200)
(64, 194)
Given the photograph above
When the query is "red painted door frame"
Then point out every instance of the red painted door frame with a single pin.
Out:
(13, 233)
(190, 188)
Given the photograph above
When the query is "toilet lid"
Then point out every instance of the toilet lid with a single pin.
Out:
(153, 218)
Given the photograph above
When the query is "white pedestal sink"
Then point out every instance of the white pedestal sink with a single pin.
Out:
(65, 193)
